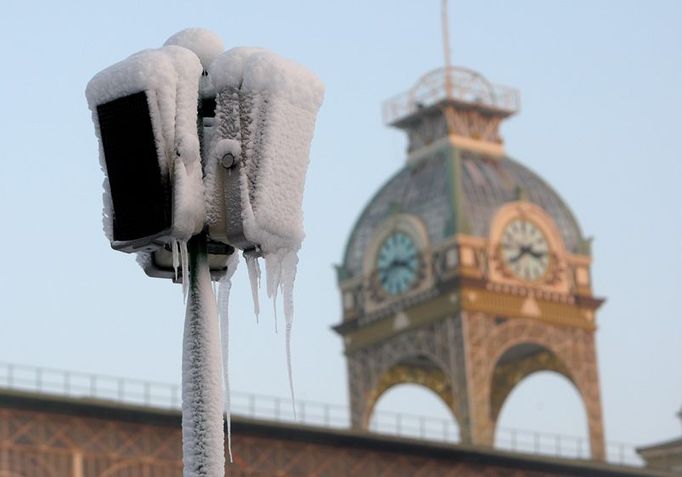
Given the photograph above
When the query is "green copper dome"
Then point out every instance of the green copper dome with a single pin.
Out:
(455, 191)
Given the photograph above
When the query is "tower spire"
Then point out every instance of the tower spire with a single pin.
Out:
(446, 47)
(452, 105)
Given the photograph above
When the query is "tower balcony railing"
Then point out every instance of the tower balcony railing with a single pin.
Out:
(143, 393)
(454, 83)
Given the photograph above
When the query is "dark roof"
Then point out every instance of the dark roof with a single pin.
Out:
(457, 191)
(675, 444)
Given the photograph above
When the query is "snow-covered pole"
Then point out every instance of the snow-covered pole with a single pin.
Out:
(184, 199)
(202, 399)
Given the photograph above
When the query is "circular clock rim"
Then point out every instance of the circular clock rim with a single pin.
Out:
(415, 275)
(545, 237)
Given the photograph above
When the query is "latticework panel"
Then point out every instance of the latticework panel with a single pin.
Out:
(36, 444)
(571, 351)
(46, 444)
(439, 342)
(260, 457)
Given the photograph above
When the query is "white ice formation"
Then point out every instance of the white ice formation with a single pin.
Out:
(269, 104)
(202, 395)
(253, 268)
(250, 196)
(223, 304)
(204, 43)
(169, 77)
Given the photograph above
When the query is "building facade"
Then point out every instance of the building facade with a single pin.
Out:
(51, 436)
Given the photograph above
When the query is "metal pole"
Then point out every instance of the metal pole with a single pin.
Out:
(202, 400)
(446, 48)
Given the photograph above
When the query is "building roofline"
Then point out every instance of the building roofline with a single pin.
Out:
(670, 444)
(103, 409)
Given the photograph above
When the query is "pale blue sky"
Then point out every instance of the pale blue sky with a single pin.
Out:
(601, 98)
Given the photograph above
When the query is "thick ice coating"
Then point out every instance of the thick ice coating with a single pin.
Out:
(170, 78)
(276, 103)
(188, 187)
(255, 167)
(204, 43)
(202, 399)
(153, 72)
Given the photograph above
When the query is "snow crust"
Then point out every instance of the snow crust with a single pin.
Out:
(204, 43)
(151, 71)
(188, 187)
(202, 397)
(170, 78)
(264, 124)
(277, 102)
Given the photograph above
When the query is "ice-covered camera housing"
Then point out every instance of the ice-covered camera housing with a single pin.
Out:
(145, 114)
(196, 140)
(266, 108)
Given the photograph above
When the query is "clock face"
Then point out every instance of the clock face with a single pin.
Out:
(397, 263)
(524, 249)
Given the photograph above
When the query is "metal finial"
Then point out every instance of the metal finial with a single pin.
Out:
(446, 47)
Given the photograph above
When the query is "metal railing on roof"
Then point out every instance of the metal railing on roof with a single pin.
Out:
(457, 84)
(159, 395)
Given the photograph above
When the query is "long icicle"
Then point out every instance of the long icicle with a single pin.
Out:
(223, 312)
(184, 257)
(253, 268)
(176, 258)
(273, 271)
(288, 275)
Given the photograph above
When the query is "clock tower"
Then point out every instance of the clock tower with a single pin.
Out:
(466, 272)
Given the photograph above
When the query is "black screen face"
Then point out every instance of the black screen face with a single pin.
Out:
(141, 196)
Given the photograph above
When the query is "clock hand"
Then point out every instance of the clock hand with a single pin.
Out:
(518, 257)
(536, 254)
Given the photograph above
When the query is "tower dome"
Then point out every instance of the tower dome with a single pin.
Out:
(457, 191)
(457, 174)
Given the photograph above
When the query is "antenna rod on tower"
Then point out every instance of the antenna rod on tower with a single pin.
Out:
(446, 47)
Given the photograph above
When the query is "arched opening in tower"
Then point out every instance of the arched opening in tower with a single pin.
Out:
(414, 410)
(544, 414)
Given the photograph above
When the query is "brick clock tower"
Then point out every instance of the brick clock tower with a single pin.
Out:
(466, 272)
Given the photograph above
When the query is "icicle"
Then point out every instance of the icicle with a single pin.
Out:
(176, 257)
(288, 275)
(185, 268)
(273, 271)
(223, 301)
(274, 310)
(280, 268)
(254, 277)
